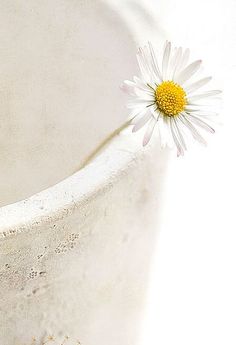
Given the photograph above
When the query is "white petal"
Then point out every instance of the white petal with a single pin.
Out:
(171, 63)
(180, 136)
(201, 123)
(148, 63)
(142, 65)
(185, 58)
(149, 131)
(202, 113)
(190, 109)
(177, 62)
(188, 71)
(145, 118)
(155, 112)
(141, 84)
(165, 61)
(204, 95)
(154, 62)
(145, 96)
(139, 102)
(196, 135)
(195, 86)
(196, 106)
(137, 116)
(147, 59)
(163, 131)
(139, 87)
(135, 111)
(173, 56)
(180, 151)
(128, 87)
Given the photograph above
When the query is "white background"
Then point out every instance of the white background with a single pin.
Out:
(192, 297)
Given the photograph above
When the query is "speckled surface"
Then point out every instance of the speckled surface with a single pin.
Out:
(79, 264)
(74, 258)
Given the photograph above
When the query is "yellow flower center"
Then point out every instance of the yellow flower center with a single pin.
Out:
(170, 98)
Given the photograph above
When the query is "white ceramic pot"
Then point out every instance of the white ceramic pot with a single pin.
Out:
(75, 247)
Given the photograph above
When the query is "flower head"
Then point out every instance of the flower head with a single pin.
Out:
(169, 96)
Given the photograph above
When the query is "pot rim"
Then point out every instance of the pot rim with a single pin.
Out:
(58, 201)
(63, 198)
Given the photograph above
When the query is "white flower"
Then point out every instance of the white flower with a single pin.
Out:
(169, 97)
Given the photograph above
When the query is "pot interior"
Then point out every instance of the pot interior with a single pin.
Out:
(61, 64)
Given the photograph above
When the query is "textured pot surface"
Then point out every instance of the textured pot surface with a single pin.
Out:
(83, 269)
(74, 258)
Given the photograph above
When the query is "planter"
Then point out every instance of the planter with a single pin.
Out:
(75, 247)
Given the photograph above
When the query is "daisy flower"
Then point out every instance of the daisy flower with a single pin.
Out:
(169, 97)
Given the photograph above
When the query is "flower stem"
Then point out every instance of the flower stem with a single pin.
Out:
(104, 142)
